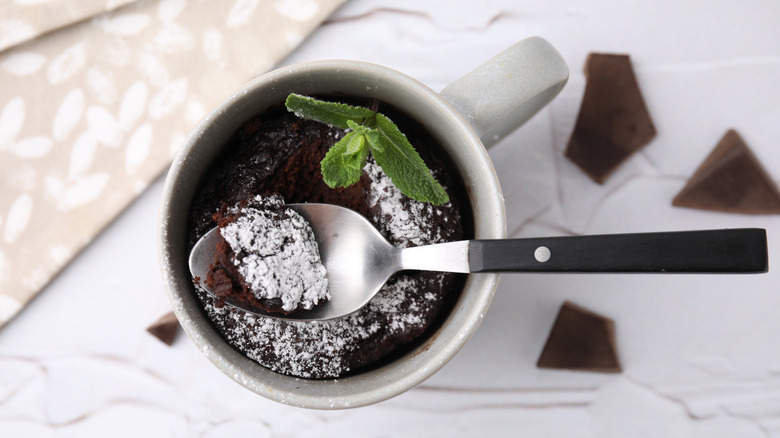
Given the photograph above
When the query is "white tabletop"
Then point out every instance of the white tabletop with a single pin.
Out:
(700, 353)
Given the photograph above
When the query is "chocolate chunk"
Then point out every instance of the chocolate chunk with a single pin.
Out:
(165, 328)
(613, 121)
(580, 340)
(731, 179)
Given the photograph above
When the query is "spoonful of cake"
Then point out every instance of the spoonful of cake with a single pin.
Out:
(358, 260)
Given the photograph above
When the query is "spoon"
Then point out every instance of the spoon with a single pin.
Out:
(358, 260)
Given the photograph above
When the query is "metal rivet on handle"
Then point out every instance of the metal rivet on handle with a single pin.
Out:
(542, 254)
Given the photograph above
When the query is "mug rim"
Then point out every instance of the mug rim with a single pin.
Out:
(387, 380)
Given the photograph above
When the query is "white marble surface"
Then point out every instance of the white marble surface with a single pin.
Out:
(700, 353)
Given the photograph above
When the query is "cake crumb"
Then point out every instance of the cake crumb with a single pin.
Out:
(276, 253)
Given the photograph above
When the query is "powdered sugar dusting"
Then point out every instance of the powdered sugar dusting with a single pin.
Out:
(276, 253)
(303, 349)
(392, 300)
(409, 223)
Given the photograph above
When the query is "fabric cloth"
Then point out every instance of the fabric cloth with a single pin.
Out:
(23, 20)
(94, 109)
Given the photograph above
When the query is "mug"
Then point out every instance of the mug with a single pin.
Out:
(466, 118)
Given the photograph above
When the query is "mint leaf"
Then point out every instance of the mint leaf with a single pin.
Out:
(356, 152)
(403, 164)
(331, 113)
(341, 168)
(373, 140)
(374, 132)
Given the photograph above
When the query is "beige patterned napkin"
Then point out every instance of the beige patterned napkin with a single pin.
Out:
(23, 20)
(92, 112)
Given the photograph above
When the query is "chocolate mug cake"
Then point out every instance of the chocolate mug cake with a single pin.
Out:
(277, 155)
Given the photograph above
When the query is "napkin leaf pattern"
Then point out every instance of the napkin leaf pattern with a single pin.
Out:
(92, 112)
(23, 20)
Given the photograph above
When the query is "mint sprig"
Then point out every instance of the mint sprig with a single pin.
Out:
(369, 131)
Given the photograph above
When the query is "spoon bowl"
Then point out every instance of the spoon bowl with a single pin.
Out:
(359, 260)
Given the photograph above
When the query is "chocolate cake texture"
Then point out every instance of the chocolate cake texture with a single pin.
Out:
(277, 153)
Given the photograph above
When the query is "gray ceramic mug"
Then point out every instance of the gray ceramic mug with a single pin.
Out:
(468, 116)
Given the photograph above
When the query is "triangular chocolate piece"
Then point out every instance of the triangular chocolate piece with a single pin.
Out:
(613, 121)
(731, 179)
(165, 328)
(580, 340)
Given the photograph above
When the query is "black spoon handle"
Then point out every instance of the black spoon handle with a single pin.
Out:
(705, 251)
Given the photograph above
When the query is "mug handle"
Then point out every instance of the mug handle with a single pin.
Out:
(504, 92)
